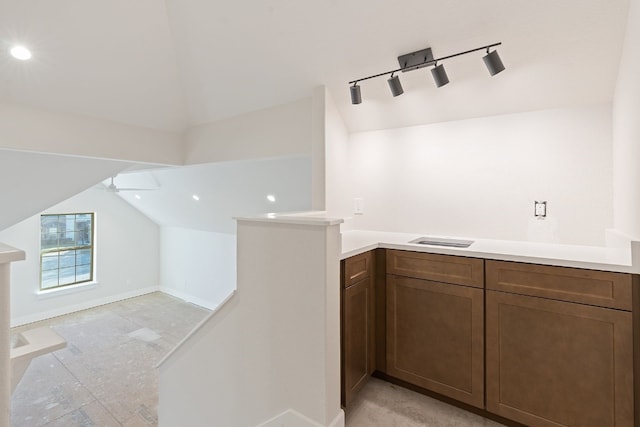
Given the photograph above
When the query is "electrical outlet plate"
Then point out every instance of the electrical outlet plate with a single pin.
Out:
(540, 209)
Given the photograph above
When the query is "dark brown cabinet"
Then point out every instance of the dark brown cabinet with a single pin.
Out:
(357, 307)
(538, 345)
(559, 363)
(435, 330)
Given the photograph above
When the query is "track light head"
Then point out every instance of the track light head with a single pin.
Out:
(395, 85)
(439, 75)
(493, 62)
(356, 96)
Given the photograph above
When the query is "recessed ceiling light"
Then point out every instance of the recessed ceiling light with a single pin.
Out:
(138, 197)
(271, 198)
(20, 52)
(196, 197)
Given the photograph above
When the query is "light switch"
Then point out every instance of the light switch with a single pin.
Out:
(358, 206)
(540, 209)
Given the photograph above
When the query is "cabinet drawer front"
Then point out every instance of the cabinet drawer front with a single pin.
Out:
(439, 268)
(553, 363)
(356, 268)
(599, 288)
(435, 337)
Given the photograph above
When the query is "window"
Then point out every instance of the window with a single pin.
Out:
(66, 249)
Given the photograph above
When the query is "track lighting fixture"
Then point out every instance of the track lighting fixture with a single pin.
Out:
(423, 58)
(395, 85)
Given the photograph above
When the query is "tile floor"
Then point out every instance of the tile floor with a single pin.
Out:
(106, 376)
(382, 404)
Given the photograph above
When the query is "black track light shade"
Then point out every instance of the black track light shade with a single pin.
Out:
(356, 96)
(395, 85)
(493, 62)
(439, 75)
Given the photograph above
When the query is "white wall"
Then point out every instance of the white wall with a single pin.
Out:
(626, 131)
(127, 259)
(318, 147)
(284, 130)
(480, 177)
(197, 266)
(31, 182)
(226, 189)
(337, 178)
(29, 129)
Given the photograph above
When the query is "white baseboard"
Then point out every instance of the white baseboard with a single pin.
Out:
(36, 317)
(339, 420)
(189, 298)
(291, 418)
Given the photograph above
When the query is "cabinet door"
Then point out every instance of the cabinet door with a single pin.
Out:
(553, 363)
(357, 338)
(435, 337)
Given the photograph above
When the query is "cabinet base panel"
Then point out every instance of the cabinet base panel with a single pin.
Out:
(445, 399)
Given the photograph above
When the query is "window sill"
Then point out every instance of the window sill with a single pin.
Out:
(72, 289)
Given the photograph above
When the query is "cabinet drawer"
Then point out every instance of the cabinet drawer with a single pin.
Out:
(600, 288)
(356, 268)
(439, 268)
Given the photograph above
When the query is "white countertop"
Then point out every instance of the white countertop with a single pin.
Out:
(10, 254)
(624, 256)
(315, 218)
(618, 259)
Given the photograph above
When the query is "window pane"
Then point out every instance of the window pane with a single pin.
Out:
(83, 273)
(50, 261)
(83, 229)
(49, 279)
(67, 239)
(67, 275)
(49, 231)
(47, 222)
(83, 257)
(67, 259)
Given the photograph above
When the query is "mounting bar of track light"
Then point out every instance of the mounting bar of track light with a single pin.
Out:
(423, 58)
(424, 63)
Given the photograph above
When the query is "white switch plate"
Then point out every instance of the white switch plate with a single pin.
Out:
(540, 209)
(358, 206)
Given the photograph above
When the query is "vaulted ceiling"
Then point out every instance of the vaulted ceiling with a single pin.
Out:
(172, 64)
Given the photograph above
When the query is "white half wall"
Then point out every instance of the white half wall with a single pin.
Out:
(126, 253)
(284, 130)
(480, 177)
(626, 131)
(197, 266)
(274, 347)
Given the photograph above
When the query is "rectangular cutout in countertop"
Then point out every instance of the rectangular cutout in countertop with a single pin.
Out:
(434, 241)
